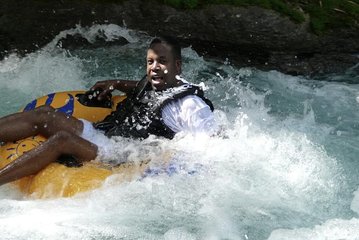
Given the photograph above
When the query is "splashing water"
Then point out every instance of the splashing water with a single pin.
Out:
(284, 166)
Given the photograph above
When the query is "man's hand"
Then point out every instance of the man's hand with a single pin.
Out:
(104, 88)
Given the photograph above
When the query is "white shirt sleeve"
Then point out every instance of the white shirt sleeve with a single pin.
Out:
(189, 114)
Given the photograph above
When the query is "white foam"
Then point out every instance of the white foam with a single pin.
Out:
(355, 203)
(41, 73)
(334, 229)
(109, 32)
(278, 162)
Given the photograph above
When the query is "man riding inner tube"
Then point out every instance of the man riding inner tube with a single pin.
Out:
(167, 106)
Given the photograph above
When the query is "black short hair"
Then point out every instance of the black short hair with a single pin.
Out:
(170, 41)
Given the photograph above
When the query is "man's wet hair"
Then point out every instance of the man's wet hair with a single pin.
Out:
(170, 41)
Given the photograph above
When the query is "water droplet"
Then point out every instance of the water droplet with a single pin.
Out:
(165, 71)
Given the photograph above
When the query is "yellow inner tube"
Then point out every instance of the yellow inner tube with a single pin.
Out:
(57, 180)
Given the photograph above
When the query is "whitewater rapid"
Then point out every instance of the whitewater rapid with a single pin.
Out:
(285, 165)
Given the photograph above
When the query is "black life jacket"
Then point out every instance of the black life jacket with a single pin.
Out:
(144, 116)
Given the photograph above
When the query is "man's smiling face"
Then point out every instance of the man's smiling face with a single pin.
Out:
(162, 67)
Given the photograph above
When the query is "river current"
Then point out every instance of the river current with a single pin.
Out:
(285, 165)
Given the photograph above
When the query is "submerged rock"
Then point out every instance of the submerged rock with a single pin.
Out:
(77, 41)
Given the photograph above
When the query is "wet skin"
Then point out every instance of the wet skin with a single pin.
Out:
(162, 67)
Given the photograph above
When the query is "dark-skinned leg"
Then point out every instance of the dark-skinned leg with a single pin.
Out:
(35, 160)
(43, 120)
(61, 130)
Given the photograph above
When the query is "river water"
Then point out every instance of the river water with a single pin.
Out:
(284, 167)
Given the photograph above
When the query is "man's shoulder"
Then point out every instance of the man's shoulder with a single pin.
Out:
(192, 100)
(187, 103)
